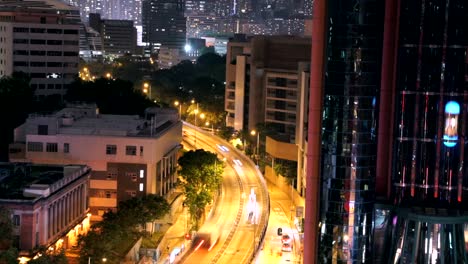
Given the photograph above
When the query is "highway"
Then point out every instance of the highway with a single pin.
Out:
(241, 213)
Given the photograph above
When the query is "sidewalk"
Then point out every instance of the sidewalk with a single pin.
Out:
(174, 245)
(281, 216)
(270, 252)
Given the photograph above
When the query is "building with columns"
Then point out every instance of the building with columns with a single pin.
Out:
(130, 156)
(48, 203)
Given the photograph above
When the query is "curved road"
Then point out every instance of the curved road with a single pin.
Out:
(241, 213)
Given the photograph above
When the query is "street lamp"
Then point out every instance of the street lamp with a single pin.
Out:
(178, 104)
(108, 75)
(253, 133)
(147, 89)
(196, 114)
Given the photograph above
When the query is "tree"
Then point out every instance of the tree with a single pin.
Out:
(119, 229)
(48, 256)
(111, 96)
(200, 176)
(16, 97)
(8, 253)
(6, 228)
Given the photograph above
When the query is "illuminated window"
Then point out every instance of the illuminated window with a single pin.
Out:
(141, 187)
(142, 174)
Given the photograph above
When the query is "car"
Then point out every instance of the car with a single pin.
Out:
(285, 238)
(286, 247)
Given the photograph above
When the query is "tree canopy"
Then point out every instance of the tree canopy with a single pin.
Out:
(117, 230)
(200, 177)
(112, 96)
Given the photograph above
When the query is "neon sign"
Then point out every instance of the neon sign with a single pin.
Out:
(452, 111)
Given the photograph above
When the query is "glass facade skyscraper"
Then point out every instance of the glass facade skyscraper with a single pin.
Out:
(164, 23)
(352, 78)
(429, 178)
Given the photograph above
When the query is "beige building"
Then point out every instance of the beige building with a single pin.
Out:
(130, 156)
(267, 80)
(41, 39)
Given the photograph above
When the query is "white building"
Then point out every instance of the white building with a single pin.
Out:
(130, 156)
(40, 38)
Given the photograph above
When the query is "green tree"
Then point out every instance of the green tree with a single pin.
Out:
(16, 97)
(111, 96)
(145, 209)
(9, 256)
(117, 230)
(48, 257)
(6, 228)
(200, 177)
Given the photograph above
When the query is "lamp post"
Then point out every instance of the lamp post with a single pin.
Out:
(178, 104)
(147, 89)
(196, 114)
(253, 133)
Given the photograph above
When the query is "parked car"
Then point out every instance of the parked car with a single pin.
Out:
(286, 247)
(286, 239)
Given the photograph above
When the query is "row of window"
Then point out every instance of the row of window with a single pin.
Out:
(44, 53)
(44, 64)
(50, 147)
(44, 42)
(52, 75)
(51, 86)
(48, 30)
(129, 150)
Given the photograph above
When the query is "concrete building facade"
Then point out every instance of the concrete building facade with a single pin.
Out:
(130, 156)
(41, 40)
(50, 207)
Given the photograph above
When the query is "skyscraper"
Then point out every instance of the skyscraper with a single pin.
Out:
(164, 23)
(428, 124)
(410, 85)
(348, 129)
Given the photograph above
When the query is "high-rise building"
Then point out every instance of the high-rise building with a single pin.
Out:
(410, 177)
(110, 9)
(164, 23)
(424, 111)
(118, 37)
(40, 38)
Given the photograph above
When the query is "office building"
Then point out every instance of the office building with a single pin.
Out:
(49, 205)
(410, 176)
(130, 156)
(164, 23)
(345, 80)
(40, 38)
(424, 112)
(118, 37)
(109, 9)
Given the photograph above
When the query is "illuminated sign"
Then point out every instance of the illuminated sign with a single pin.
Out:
(452, 110)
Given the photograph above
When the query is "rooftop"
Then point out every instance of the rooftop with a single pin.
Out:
(86, 120)
(34, 5)
(26, 181)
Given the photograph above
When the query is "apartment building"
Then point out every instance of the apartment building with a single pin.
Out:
(262, 81)
(267, 82)
(40, 38)
(130, 156)
(49, 205)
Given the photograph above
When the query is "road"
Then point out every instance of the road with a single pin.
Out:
(242, 212)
